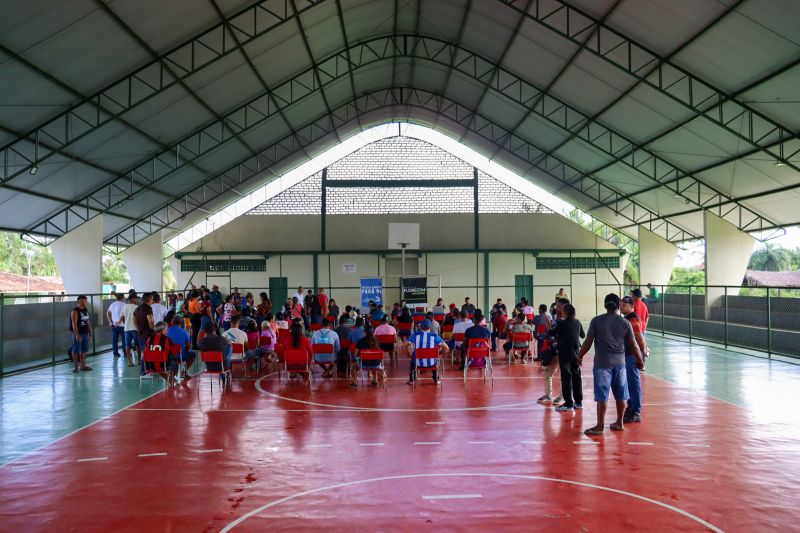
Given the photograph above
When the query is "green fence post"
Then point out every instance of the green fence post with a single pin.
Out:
(53, 327)
(94, 326)
(690, 312)
(2, 302)
(663, 318)
(769, 324)
(725, 296)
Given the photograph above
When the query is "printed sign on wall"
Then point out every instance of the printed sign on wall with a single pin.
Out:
(415, 290)
(349, 268)
(371, 289)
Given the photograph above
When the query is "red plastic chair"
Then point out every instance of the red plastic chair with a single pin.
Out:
(479, 357)
(426, 355)
(439, 317)
(158, 360)
(295, 362)
(237, 357)
(418, 318)
(529, 316)
(315, 326)
(386, 339)
(376, 356)
(405, 326)
(327, 349)
(520, 336)
(332, 319)
(215, 357)
(375, 323)
(447, 331)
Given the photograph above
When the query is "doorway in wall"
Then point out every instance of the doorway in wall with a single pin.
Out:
(278, 290)
(523, 287)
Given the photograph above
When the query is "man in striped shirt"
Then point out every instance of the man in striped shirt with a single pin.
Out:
(425, 339)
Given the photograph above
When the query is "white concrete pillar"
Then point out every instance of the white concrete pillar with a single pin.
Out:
(144, 263)
(728, 250)
(79, 256)
(657, 258)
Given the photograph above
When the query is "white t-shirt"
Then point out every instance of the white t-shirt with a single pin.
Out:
(227, 312)
(115, 309)
(159, 312)
(461, 327)
(127, 312)
(300, 297)
(237, 336)
(528, 310)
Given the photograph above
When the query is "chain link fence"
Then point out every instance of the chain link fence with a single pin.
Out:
(34, 329)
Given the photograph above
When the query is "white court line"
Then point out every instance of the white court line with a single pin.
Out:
(586, 442)
(451, 497)
(434, 423)
(481, 442)
(370, 444)
(156, 454)
(426, 443)
(531, 442)
(641, 444)
(215, 450)
(698, 445)
(318, 490)
(88, 459)
(320, 446)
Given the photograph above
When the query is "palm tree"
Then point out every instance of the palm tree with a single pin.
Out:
(770, 258)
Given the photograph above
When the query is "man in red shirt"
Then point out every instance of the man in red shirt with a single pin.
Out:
(633, 411)
(322, 298)
(640, 308)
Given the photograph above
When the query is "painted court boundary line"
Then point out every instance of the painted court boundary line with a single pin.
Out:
(452, 497)
(269, 505)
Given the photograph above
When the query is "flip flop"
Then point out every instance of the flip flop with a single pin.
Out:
(593, 432)
(617, 427)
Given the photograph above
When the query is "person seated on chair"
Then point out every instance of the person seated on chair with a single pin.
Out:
(180, 337)
(238, 336)
(424, 339)
(211, 342)
(160, 341)
(386, 329)
(267, 339)
(403, 320)
(477, 331)
(518, 325)
(468, 307)
(542, 320)
(377, 314)
(435, 327)
(499, 323)
(439, 308)
(527, 310)
(461, 326)
(452, 317)
(298, 341)
(367, 342)
(326, 336)
(346, 319)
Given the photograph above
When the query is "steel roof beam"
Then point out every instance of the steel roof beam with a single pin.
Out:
(414, 98)
(105, 106)
(499, 63)
(669, 79)
(343, 29)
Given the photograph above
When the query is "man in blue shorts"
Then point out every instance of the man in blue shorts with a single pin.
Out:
(610, 333)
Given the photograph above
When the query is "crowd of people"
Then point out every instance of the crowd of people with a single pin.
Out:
(206, 321)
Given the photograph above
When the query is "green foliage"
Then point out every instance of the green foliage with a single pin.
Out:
(774, 259)
(682, 277)
(114, 270)
(14, 256)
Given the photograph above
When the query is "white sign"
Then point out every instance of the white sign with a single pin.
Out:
(349, 268)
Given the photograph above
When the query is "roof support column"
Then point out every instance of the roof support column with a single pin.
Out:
(656, 259)
(144, 263)
(728, 250)
(79, 255)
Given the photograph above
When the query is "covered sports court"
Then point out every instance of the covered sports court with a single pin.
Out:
(476, 149)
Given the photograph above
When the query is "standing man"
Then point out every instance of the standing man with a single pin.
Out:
(640, 308)
(612, 333)
(81, 328)
(116, 321)
(634, 411)
(131, 335)
(145, 322)
(216, 301)
(300, 294)
(159, 310)
(323, 300)
(568, 335)
(561, 294)
(652, 294)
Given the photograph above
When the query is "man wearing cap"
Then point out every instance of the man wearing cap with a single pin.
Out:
(424, 338)
(610, 333)
(634, 411)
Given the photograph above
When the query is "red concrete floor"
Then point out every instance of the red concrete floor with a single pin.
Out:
(271, 457)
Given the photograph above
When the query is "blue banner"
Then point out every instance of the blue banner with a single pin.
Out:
(371, 289)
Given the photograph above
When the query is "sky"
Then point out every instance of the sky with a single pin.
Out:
(690, 255)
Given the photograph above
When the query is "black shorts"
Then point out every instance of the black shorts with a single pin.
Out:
(387, 347)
